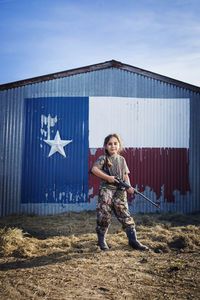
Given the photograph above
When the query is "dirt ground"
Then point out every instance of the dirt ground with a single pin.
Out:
(56, 257)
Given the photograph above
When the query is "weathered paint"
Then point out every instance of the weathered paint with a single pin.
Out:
(155, 134)
(140, 122)
(163, 170)
(109, 81)
(55, 151)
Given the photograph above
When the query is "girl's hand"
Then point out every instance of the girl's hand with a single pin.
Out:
(112, 179)
(130, 191)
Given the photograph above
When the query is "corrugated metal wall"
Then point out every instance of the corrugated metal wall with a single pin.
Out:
(55, 152)
(108, 82)
(155, 132)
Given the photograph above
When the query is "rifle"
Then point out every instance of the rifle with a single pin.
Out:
(127, 186)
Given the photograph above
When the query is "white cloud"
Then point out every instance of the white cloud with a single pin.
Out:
(149, 34)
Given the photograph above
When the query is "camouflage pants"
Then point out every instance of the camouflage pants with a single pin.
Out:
(116, 201)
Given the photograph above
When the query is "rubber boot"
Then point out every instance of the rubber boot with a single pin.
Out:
(133, 242)
(102, 242)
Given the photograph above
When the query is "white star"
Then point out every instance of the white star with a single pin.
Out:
(57, 145)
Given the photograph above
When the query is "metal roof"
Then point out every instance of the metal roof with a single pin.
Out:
(101, 66)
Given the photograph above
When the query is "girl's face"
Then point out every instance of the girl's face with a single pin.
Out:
(112, 146)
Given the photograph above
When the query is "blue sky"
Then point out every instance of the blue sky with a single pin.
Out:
(39, 37)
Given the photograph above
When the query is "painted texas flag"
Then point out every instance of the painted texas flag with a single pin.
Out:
(63, 136)
(155, 135)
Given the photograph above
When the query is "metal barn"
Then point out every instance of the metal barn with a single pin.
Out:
(52, 129)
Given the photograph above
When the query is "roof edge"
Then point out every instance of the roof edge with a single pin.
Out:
(100, 66)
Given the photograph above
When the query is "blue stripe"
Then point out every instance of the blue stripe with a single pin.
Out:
(55, 179)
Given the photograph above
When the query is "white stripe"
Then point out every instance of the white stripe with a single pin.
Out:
(140, 122)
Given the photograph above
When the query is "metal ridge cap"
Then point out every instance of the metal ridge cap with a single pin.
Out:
(100, 66)
(157, 76)
(61, 74)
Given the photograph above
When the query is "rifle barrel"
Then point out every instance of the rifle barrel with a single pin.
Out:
(126, 185)
(136, 191)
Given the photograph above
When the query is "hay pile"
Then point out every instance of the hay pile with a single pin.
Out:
(36, 235)
(49, 257)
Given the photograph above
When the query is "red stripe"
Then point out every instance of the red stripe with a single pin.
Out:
(153, 168)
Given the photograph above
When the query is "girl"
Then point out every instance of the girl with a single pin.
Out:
(111, 195)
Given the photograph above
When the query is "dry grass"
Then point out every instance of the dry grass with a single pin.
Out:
(56, 257)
